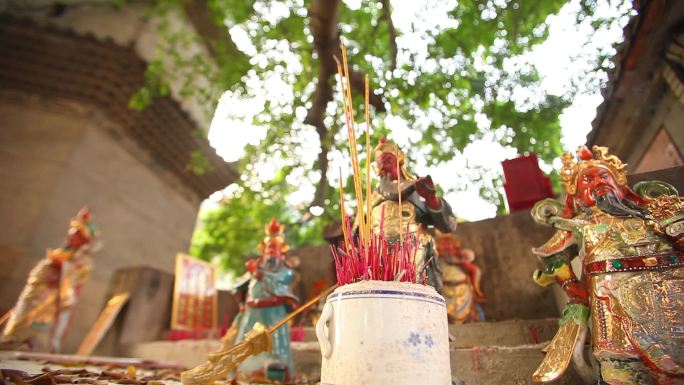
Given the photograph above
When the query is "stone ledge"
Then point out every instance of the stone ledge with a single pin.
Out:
(503, 333)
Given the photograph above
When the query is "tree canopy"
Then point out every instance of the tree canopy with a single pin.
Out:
(453, 73)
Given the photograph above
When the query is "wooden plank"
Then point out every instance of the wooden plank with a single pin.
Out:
(102, 324)
(149, 308)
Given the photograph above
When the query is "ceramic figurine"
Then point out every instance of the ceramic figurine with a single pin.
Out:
(267, 298)
(461, 279)
(384, 324)
(420, 208)
(631, 287)
(43, 310)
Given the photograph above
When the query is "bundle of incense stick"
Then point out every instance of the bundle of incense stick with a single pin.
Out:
(378, 260)
(369, 256)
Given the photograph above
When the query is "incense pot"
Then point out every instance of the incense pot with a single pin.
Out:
(384, 332)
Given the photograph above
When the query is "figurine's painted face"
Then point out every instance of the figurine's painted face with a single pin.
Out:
(75, 238)
(272, 249)
(596, 182)
(387, 166)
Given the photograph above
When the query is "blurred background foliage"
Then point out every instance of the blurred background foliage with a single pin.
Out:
(459, 85)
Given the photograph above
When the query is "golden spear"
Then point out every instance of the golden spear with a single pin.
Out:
(256, 341)
(27, 318)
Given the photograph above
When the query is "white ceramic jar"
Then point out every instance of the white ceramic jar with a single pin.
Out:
(382, 333)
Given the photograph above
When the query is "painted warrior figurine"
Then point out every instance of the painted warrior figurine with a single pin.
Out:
(631, 287)
(42, 313)
(461, 279)
(420, 208)
(267, 295)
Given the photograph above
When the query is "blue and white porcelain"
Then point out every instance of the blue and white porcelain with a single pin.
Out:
(378, 332)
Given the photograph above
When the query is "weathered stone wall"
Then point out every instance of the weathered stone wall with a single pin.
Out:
(315, 264)
(56, 160)
(502, 248)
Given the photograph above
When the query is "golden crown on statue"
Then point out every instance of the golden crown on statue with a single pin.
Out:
(598, 157)
(275, 234)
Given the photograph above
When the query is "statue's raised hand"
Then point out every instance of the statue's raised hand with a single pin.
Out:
(425, 187)
(254, 268)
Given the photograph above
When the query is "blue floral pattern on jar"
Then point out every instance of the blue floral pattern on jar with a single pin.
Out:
(417, 343)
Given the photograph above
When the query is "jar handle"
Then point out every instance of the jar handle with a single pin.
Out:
(323, 332)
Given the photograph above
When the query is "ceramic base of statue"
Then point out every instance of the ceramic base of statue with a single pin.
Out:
(378, 332)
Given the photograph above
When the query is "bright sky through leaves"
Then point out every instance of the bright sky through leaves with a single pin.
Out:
(561, 61)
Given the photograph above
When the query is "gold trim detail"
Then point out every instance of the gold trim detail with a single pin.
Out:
(666, 208)
(558, 353)
(221, 363)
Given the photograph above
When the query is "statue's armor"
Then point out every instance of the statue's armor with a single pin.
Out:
(394, 227)
(52, 287)
(266, 303)
(458, 293)
(634, 313)
(415, 217)
(607, 237)
(391, 221)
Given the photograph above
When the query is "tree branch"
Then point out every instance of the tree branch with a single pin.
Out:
(326, 137)
(324, 15)
(357, 82)
(387, 16)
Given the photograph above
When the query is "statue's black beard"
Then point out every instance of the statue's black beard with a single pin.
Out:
(388, 188)
(272, 264)
(610, 204)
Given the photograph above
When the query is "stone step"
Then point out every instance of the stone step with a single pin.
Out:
(488, 365)
(481, 354)
(503, 333)
(510, 365)
(187, 353)
(306, 357)
(305, 334)
(190, 353)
